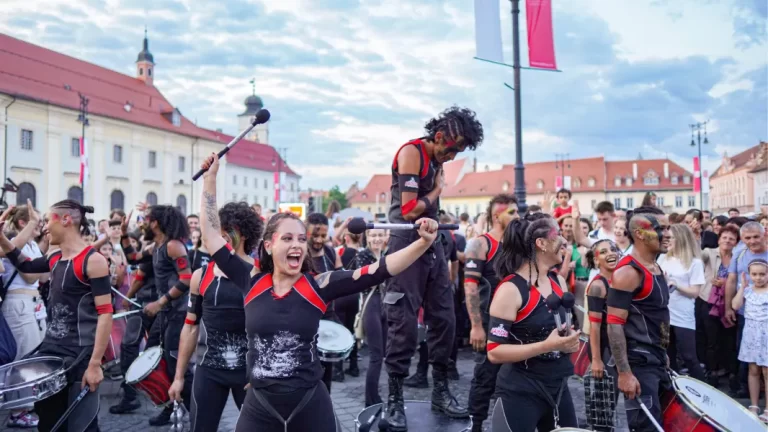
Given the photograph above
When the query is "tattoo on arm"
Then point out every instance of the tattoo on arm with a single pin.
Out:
(473, 304)
(597, 290)
(618, 344)
(476, 249)
(211, 212)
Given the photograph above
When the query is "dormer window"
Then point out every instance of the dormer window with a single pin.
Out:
(650, 178)
(540, 184)
(176, 118)
(628, 181)
(673, 179)
(591, 182)
(686, 179)
(617, 181)
(505, 186)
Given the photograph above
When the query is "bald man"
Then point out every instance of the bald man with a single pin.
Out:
(638, 318)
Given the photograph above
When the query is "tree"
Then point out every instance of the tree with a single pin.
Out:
(335, 194)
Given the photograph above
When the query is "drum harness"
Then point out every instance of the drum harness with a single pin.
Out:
(300, 406)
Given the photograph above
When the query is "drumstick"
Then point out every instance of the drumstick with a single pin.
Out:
(71, 408)
(123, 296)
(650, 417)
(580, 308)
(122, 314)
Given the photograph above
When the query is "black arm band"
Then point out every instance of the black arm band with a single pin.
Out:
(596, 304)
(168, 298)
(181, 287)
(474, 265)
(408, 183)
(181, 263)
(499, 330)
(619, 299)
(195, 306)
(13, 256)
(426, 202)
(100, 286)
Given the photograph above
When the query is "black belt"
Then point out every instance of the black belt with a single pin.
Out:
(302, 403)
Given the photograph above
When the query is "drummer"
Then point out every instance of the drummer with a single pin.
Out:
(216, 307)
(283, 308)
(81, 313)
(523, 336)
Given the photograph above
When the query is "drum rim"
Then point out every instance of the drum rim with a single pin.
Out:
(154, 348)
(346, 332)
(383, 404)
(704, 416)
(35, 381)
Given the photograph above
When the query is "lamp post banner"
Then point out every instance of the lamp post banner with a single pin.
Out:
(277, 186)
(541, 43)
(488, 30)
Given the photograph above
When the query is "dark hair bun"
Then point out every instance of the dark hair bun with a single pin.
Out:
(88, 209)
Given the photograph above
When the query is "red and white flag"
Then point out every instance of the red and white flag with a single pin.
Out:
(696, 175)
(84, 174)
(541, 42)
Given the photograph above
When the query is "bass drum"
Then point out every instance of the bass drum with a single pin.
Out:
(421, 418)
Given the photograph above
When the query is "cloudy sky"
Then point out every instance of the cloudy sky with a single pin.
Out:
(348, 81)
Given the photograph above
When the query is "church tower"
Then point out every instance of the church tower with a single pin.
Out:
(145, 63)
(253, 104)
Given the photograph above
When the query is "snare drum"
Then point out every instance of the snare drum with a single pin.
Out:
(24, 382)
(112, 353)
(147, 373)
(693, 406)
(580, 358)
(334, 341)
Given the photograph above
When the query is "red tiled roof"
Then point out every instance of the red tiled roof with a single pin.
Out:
(731, 163)
(453, 170)
(580, 171)
(251, 154)
(646, 168)
(28, 71)
(378, 185)
(484, 183)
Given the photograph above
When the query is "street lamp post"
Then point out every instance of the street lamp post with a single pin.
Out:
(277, 160)
(519, 167)
(83, 118)
(697, 127)
(562, 159)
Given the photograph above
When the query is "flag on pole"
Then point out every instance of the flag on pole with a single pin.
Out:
(488, 30)
(277, 186)
(541, 42)
(560, 184)
(705, 177)
(696, 175)
(84, 174)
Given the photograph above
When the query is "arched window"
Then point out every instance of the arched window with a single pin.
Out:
(75, 193)
(117, 200)
(26, 192)
(181, 204)
(151, 198)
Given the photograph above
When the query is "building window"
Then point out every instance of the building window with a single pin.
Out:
(181, 204)
(141, 71)
(617, 203)
(628, 182)
(674, 179)
(245, 182)
(593, 204)
(265, 202)
(630, 203)
(153, 159)
(26, 192)
(505, 187)
(117, 154)
(75, 193)
(176, 119)
(577, 183)
(292, 185)
(152, 198)
(691, 201)
(540, 184)
(678, 201)
(75, 147)
(651, 181)
(659, 201)
(617, 181)
(234, 180)
(234, 197)
(265, 183)
(591, 183)
(686, 179)
(182, 163)
(26, 139)
(117, 200)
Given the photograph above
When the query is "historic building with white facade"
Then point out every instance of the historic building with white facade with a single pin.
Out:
(140, 147)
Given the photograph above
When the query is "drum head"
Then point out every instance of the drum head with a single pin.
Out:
(333, 337)
(718, 408)
(143, 365)
(26, 371)
(420, 418)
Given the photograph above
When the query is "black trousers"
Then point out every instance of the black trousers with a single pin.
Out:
(375, 325)
(715, 344)
(482, 387)
(210, 391)
(136, 326)
(425, 283)
(316, 416)
(347, 308)
(526, 409)
(85, 417)
(683, 341)
(170, 323)
(653, 382)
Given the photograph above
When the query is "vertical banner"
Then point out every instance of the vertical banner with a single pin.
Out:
(560, 184)
(705, 177)
(488, 30)
(84, 174)
(696, 174)
(541, 42)
(276, 180)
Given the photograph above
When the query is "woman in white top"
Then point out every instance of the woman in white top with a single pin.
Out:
(685, 276)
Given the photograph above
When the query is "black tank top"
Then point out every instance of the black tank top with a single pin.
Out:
(603, 314)
(166, 276)
(489, 273)
(222, 343)
(534, 323)
(325, 263)
(72, 315)
(647, 326)
(148, 291)
(426, 182)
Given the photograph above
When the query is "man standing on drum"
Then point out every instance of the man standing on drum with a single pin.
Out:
(417, 182)
(638, 318)
(81, 313)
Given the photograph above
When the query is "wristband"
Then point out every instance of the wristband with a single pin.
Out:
(597, 320)
(104, 309)
(426, 201)
(613, 319)
(168, 297)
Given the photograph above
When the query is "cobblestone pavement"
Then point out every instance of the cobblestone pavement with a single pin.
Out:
(348, 400)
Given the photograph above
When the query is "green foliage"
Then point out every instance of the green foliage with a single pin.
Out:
(335, 194)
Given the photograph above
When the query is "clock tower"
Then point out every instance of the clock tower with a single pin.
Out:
(253, 104)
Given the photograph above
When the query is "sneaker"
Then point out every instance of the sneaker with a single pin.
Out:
(24, 419)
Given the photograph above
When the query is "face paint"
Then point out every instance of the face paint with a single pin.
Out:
(553, 233)
(235, 236)
(500, 208)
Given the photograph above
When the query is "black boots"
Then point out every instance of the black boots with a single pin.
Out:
(396, 406)
(129, 403)
(477, 426)
(442, 399)
(417, 380)
(163, 418)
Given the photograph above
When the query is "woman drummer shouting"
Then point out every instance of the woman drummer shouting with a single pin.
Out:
(283, 307)
(523, 337)
(215, 324)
